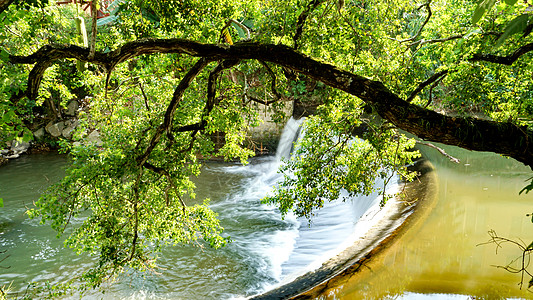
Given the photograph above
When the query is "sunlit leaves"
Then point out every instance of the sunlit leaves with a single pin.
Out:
(481, 9)
(330, 163)
(517, 25)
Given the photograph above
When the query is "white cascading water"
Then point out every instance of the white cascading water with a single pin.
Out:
(304, 246)
(266, 250)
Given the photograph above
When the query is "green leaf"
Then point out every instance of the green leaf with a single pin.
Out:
(4, 56)
(240, 32)
(510, 2)
(481, 9)
(517, 25)
(1, 202)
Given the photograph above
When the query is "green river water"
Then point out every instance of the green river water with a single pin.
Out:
(438, 258)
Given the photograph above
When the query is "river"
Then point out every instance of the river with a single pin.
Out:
(443, 257)
(265, 251)
(438, 258)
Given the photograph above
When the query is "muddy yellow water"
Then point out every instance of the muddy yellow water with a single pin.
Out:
(443, 256)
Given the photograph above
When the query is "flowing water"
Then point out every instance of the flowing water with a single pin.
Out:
(442, 257)
(266, 249)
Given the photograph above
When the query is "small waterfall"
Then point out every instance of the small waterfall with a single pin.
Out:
(290, 134)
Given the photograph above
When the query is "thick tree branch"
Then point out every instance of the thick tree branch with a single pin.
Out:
(504, 60)
(470, 133)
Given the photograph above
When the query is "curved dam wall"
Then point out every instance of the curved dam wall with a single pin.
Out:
(391, 222)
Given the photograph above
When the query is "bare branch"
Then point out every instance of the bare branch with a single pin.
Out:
(422, 85)
(504, 60)
(453, 159)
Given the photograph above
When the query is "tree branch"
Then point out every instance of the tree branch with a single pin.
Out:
(419, 32)
(427, 82)
(433, 41)
(94, 16)
(453, 159)
(4, 4)
(171, 109)
(466, 132)
(504, 60)
(301, 20)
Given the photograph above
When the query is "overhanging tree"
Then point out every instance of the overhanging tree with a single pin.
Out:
(162, 80)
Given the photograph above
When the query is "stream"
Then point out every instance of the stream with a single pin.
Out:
(265, 251)
(439, 258)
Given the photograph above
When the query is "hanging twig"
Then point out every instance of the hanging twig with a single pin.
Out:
(453, 159)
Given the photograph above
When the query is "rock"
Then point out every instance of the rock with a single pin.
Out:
(72, 108)
(4, 152)
(69, 129)
(56, 129)
(13, 156)
(19, 147)
(39, 134)
(94, 138)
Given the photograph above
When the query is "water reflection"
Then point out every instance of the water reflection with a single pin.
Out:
(442, 256)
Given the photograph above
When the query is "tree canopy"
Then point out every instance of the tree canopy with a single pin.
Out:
(159, 78)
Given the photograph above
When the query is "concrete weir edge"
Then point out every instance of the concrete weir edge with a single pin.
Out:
(400, 215)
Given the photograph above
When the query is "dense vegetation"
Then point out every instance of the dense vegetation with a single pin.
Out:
(158, 78)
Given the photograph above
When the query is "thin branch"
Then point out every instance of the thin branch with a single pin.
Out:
(430, 99)
(171, 109)
(165, 173)
(453, 159)
(504, 60)
(144, 96)
(273, 81)
(422, 85)
(433, 41)
(419, 32)
(301, 21)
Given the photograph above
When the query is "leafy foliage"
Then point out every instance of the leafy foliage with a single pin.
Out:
(129, 193)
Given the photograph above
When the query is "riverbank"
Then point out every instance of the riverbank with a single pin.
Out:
(398, 216)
